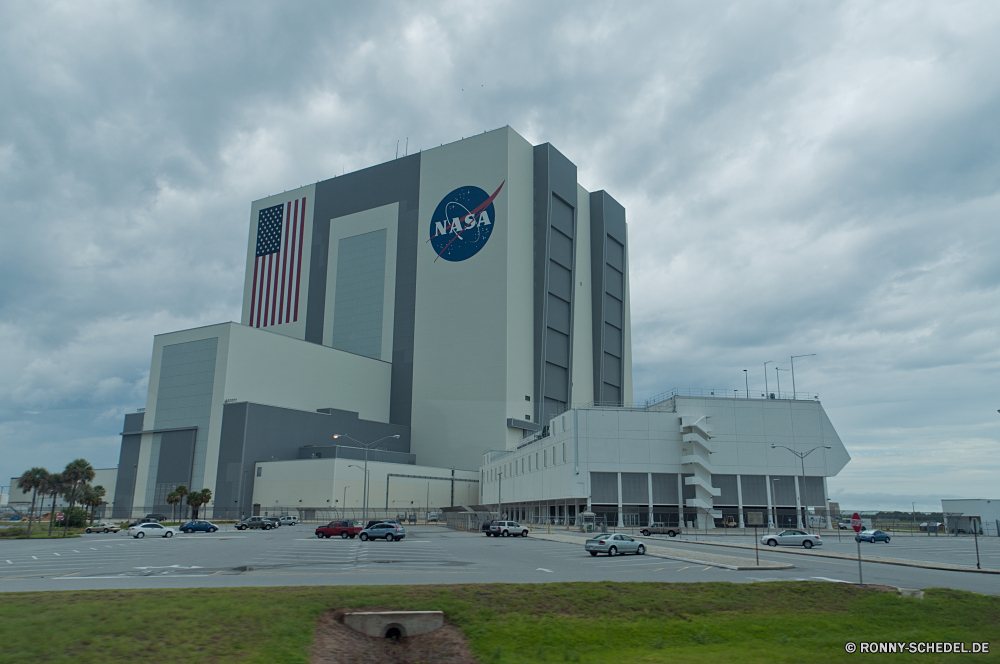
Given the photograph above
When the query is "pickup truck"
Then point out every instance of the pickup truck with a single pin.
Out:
(660, 529)
(342, 529)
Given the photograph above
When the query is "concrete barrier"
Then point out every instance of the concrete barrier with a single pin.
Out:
(384, 624)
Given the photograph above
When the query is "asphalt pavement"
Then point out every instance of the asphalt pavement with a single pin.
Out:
(292, 555)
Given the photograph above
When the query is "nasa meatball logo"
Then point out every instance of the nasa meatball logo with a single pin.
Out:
(462, 223)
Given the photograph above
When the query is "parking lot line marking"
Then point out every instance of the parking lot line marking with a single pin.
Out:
(542, 569)
(707, 568)
(93, 549)
(56, 554)
(682, 568)
(9, 563)
(35, 557)
(75, 551)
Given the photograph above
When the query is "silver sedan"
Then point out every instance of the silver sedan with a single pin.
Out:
(613, 544)
(792, 538)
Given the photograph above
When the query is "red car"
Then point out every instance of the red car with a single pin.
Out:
(342, 529)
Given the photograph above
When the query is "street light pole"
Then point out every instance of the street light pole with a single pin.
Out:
(774, 499)
(364, 491)
(746, 380)
(767, 393)
(776, 370)
(793, 370)
(802, 458)
(367, 447)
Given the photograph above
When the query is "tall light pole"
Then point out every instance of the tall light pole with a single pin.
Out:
(774, 499)
(802, 458)
(778, 376)
(367, 447)
(364, 489)
(793, 370)
(766, 392)
(746, 380)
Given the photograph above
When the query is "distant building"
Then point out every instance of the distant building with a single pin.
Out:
(967, 514)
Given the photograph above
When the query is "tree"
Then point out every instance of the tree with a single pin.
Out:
(52, 486)
(194, 500)
(173, 499)
(32, 480)
(78, 472)
(93, 497)
(182, 491)
(206, 496)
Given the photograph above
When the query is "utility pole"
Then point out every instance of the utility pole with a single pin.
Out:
(793, 370)
(767, 393)
(802, 458)
(746, 380)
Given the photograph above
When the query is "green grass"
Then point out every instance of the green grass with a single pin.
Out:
(575, 622)
(37, 532)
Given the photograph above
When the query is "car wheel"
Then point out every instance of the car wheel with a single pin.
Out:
(106, 530)
(364, 537)
(524, 533)
(807, 544)
(212, 530)
(593, 553)
(671, 534)
(645, 533)
(772, 542)
(886, 540)
(613, 551)
(88, 531)
(320, 535)
(389, 538)
(343, 534)
(506, 533)
(139, 534)
(641, 551)
(169, 533)
(353, 536)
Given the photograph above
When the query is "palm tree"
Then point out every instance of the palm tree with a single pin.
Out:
(194, 500)
(53, 485)
(32, 480)
(206, 496)
(93, 497)
(77, 473)
(182, 491)
(172, 499)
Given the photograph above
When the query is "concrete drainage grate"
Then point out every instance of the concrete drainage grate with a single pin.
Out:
(394, 624)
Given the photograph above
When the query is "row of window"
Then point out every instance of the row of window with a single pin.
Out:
(550, 456)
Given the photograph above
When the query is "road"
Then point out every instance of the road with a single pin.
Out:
(292, 555)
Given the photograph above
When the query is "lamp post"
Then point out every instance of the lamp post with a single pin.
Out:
(802, 458)
(774, 499)
(913, 517)
(364, 489)
(767, 394)
(778, 376)
(746, 380)
(367, 447)
(793, 370)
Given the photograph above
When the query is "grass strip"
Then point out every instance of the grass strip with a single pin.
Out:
(576, 622)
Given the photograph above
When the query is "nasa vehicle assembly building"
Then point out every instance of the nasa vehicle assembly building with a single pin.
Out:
(440, 307)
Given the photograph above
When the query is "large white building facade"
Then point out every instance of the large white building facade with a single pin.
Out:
(448, 303)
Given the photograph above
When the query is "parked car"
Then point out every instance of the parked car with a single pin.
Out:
(872, 536)
(145, 519)
(275, 521)
(792, 538)
(343, 529)
(150, 528)
(199, 526)
(289, 520)
(486, 527)
(661, 529)
(104, 527)
(507, 529)
(387, 531)
(613, 544)
(255, 522)
(374, 521)
(433, 517)
(157, 517)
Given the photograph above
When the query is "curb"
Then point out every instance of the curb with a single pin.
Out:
(840, 556)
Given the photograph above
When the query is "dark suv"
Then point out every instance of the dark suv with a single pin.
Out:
(252, 522)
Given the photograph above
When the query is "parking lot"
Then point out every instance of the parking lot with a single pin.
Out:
(292, 555)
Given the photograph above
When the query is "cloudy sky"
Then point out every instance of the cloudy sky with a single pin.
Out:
(799, 178)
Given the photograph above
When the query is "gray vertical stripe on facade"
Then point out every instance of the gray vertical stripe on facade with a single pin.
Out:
(665, 489)
(608, 239)
(128, 459)
(812, 494)
(687, 489)
(754, 490)
(604, 488)
(555, 230)
(727, 483)
(783, 490)
(183, 399)
(358, 305)
(397, 181)
(635, 488)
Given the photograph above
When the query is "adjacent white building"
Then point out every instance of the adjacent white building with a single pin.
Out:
(971, 514)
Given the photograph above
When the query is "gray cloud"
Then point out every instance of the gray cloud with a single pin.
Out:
(814, 178)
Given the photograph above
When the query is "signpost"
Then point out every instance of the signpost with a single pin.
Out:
(858, 525)
(60, 516)
(755, 519)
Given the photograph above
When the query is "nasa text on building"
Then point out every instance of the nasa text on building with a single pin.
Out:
(448, 304)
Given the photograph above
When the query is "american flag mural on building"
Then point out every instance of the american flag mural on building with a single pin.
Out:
(277, 268)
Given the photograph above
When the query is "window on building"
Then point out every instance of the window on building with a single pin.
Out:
(545, 458)
(259, 469)
(564, 452)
